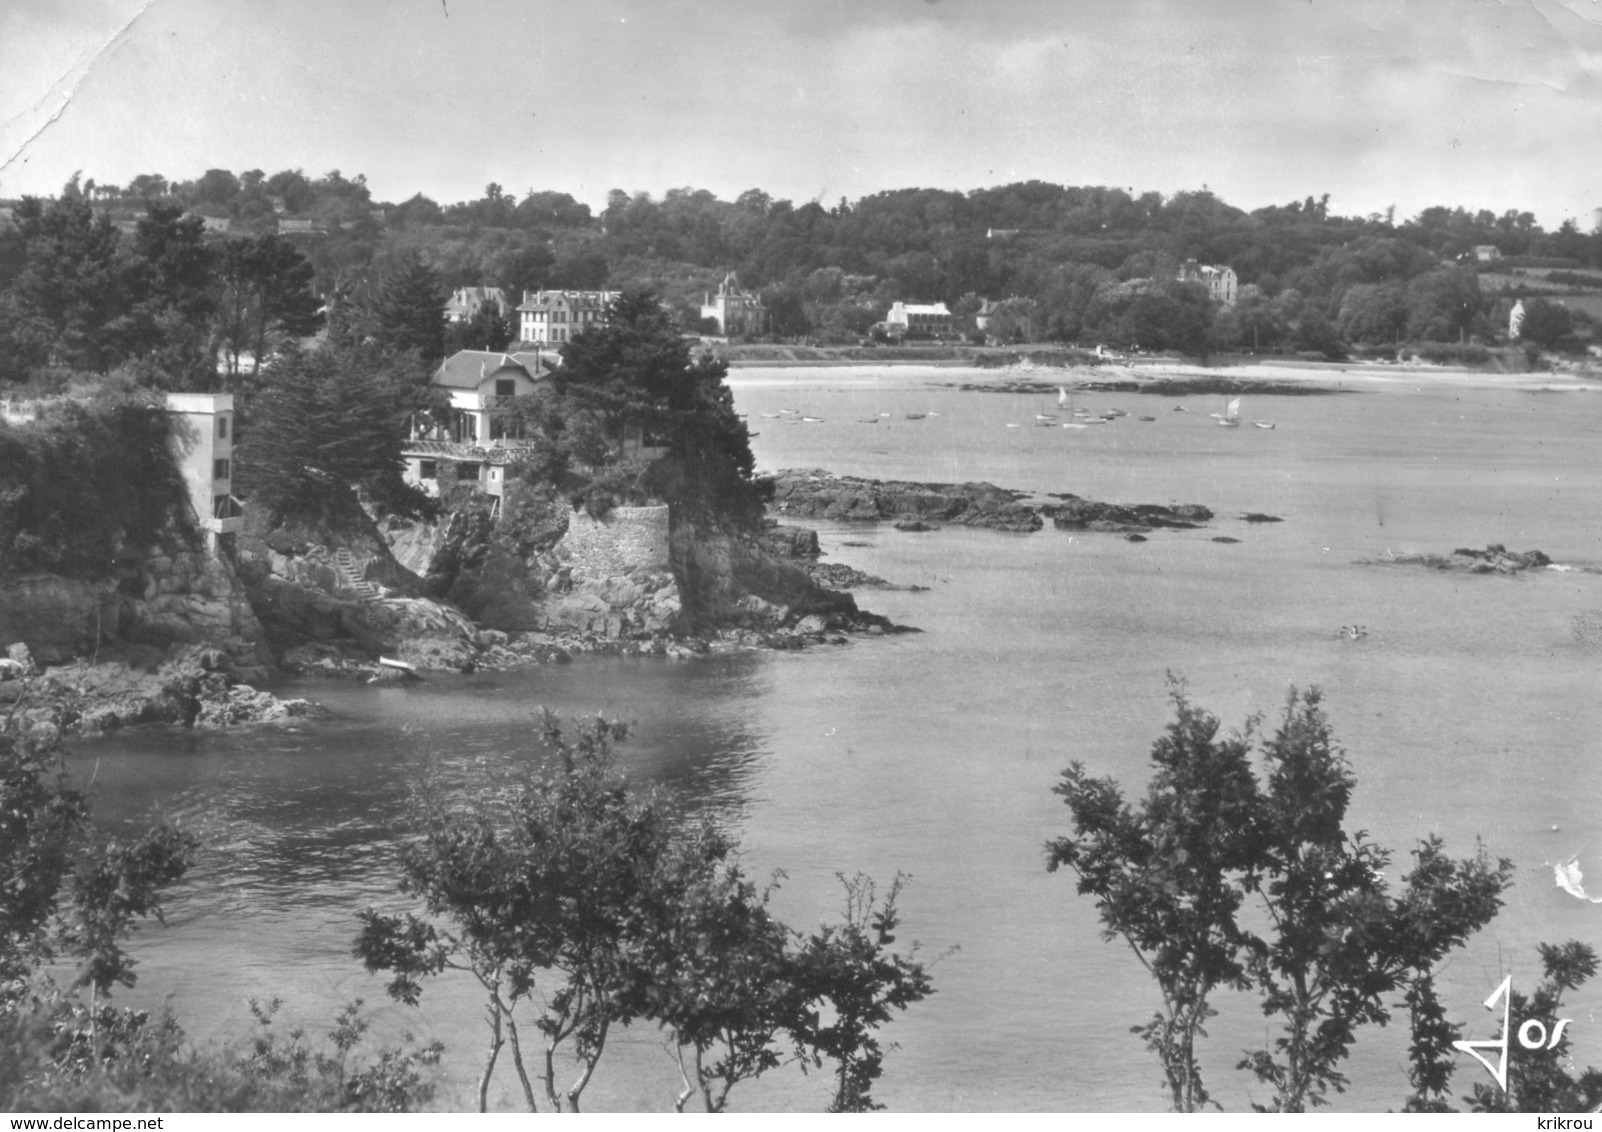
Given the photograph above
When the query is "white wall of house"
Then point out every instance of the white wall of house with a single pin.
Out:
(202, 442)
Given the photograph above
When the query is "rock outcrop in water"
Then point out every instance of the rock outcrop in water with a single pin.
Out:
(131, 685)
(1075, 514)
(1494, 559)
(817, 494)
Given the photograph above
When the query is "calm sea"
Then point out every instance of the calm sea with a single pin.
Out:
(1470, 709)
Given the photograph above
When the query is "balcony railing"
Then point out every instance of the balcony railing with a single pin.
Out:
(467, 449)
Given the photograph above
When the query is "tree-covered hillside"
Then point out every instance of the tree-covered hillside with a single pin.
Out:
(1082, 262)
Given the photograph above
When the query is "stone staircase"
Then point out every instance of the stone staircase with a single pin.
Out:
(351, 573)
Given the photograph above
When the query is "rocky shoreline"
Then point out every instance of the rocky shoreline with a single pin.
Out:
(180, 636)
(199, 688)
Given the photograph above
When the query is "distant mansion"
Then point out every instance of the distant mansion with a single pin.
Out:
(466, 302)
(736, 310)
(918, 318)
(1219, 281)
(551, 318)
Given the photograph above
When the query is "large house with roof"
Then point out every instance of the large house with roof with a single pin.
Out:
(551, 318)
(478, 436)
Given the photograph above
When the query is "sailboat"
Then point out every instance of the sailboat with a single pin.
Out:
(1064, 401)
(1230, 417)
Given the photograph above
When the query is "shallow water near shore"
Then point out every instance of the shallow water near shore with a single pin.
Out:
(1469, 709)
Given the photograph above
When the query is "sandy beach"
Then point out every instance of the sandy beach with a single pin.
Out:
(1371, 376)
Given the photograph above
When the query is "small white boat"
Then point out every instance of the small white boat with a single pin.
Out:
(1010, 425)
(1230, 417)
(1045, 416)
(1262, 424)
(1074, 424)
(811, 420)
(789, 412)
(400, 666)
(770, 416)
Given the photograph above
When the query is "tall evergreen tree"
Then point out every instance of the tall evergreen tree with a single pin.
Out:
(264, 291)
(411, 310)
(67, 298)
(167, 275)
(327, 420)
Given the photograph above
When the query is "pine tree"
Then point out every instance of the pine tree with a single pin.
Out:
(411, 310)
(327, 420)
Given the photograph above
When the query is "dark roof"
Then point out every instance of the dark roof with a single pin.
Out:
(467, 369)
(578, 300)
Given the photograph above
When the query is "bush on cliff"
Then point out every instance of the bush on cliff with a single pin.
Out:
(638, 369)
(86, 481)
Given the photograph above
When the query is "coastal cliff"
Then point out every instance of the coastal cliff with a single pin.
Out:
(640, 577)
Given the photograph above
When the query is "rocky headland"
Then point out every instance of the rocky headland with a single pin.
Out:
(178, 634)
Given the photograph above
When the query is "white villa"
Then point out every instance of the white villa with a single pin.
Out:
(736, 310)
(925, 318)
(478, 439)
(550, 318)
(1219, 281)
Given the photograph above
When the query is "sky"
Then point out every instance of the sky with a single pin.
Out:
(1404, 103)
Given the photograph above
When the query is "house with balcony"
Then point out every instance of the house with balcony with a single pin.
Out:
(551, 318)
(202, 443)
(478, 436)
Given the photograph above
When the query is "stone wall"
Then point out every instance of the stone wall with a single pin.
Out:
(626, 540)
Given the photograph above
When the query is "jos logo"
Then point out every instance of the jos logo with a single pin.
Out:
(1532, 1035)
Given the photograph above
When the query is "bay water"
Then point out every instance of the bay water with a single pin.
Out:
(1468, 707)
